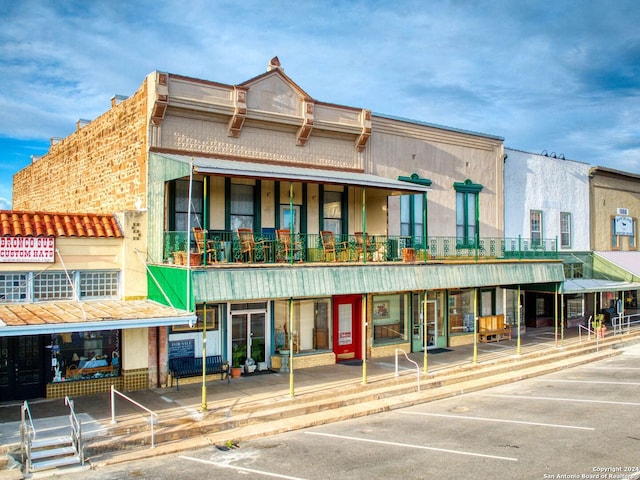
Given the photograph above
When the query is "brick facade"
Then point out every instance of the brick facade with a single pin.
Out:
(100, 168)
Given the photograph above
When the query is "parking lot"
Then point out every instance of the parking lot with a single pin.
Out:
(578, 423)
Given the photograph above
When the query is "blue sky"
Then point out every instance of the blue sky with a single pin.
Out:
(561, 76)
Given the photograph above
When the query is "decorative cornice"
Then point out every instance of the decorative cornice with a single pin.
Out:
(415, 178)
(467, 186)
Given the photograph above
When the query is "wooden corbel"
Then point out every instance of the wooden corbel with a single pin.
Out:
(239, 112)
(304, 132)
(363, 138)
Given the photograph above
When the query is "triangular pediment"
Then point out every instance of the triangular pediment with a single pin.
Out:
(274, 92)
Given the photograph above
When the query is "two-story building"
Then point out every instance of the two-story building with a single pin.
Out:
(67, 327)
(298, 227)
(549, 196)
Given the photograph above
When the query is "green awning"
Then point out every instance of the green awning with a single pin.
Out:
(233, 284)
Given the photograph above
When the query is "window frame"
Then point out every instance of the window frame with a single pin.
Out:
(565, 221)
(467, 198)
(536, 241)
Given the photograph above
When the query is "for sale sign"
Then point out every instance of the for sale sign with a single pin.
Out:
(27, 249)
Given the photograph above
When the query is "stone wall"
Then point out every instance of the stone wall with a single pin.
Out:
(100, 168)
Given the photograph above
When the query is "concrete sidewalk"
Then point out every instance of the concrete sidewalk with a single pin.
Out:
(243, 397)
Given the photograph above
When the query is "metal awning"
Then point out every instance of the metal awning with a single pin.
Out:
(594, 285)
(228, 284)
(619, 265)
(267, 171)
(59, 317)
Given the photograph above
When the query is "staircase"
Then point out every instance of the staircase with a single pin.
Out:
(52, 452)
(40, 454)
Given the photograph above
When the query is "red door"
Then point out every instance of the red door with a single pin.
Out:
(347, 326)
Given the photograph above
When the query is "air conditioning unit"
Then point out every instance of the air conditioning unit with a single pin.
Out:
(623, 211)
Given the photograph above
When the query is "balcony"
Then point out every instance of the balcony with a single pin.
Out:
(224, 248)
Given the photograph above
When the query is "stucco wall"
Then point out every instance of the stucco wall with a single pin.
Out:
(444, 156)
(551, 185)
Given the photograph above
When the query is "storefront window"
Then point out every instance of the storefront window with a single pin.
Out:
(460, 311)
(512, 305)
(390, 314)
(85, 355)
(575, 307)
(311, 322)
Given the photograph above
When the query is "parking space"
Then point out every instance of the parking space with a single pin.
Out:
(577, 423)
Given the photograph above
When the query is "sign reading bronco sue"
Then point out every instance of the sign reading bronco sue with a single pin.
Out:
(27, 249)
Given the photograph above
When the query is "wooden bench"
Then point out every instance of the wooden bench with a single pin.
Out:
(191, 367)
(493, 329)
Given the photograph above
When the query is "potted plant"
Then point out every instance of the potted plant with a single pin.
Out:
(598, 325)
(237, 358)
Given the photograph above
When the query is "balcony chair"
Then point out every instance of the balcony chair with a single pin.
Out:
(329, 245)
(364, 245)
(249, 246)
(210, 252)
(287, 247)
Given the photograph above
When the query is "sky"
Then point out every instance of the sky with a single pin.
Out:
(559, 76)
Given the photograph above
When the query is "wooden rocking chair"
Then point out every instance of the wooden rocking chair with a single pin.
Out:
(209, 251)
(288, 247)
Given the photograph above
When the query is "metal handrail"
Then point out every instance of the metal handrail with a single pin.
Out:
(76, 429)
(152, 415)
(415, 363)
(27, 435)
(582, 327)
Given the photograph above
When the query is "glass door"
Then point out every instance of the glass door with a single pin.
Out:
(248, 337)
(434, 337)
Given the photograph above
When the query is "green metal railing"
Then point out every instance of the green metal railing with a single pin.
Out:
(306, 248)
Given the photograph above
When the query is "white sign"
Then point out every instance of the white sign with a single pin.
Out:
(27, 249)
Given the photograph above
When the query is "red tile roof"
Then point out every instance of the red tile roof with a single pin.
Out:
(44, 224)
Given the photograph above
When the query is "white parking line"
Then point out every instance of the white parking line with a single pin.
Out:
(585, 381)
(609, 368)
(573, 400)
(242, 469)
(499, 420)
(408, 445)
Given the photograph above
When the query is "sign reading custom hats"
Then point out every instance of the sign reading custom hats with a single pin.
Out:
(27, 249)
